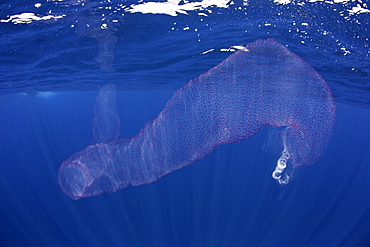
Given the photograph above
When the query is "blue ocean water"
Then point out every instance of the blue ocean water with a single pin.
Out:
(55, 55)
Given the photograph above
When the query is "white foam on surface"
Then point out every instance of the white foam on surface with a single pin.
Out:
(30, 17)
(173, 7)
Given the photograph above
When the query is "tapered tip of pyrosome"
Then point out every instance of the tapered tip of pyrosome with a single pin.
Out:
(72, 181)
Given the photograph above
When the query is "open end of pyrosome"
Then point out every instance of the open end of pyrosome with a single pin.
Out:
(72, 181)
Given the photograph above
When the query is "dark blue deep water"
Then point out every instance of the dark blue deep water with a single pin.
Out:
(54, 57)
